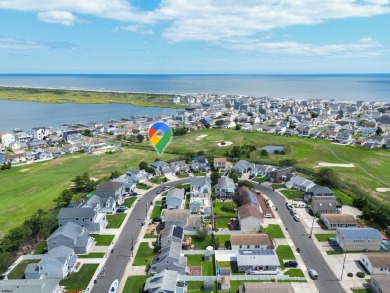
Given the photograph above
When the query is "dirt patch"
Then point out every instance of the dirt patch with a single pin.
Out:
(226, 143)
(24, 170)
(200, 137)
(322, 164)
(382, 189)
(195, 271)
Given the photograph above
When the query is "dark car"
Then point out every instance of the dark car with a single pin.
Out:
(158, 192)
(291, 263)
(156, 219)
(120, 210)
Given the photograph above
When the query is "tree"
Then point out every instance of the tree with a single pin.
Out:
(115, 174)
(207, 125)
(83, 183)
(36, 224)
(328, 177)
(180, 131)
(64, 199)
(287, 162)
(237, 198)
(314, 114)
(140, 137)
(214, 178)
(234, 177)
(143, 165)
(6, 260)
(245, 183)
(379, 131)
(250, 114)
(219, 123)
(359, 201)
(229, 207)
(236, 152)
(238, 127)
(202, 234)
(264, 153)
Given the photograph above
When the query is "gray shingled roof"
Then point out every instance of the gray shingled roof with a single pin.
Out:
(109, 186)
(200, 181)
(71, 213)
(164, 281)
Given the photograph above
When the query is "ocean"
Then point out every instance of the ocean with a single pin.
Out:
(25, 115)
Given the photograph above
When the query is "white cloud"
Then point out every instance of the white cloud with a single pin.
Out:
(9, 43)
(133, 28)
(363, 47)
(61, 17)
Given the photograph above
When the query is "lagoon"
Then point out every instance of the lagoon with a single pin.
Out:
(26, 115)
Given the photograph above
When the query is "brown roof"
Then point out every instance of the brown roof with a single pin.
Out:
(225, 280)
(339, 218)
(267, 288)
(379, 260)
(382, 280)
(250, 239)
(220, 160)
(244, 193)
(248, 210)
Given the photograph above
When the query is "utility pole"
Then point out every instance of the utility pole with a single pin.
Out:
(312, 225)
(341, 277)
(132, 245)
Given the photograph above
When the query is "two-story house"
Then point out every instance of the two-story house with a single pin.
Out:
(200, 164)
(88, 217)
(225, 188)
(138, 176)
(180, 167)
(175, 199)
(221, 164)
(200, 194)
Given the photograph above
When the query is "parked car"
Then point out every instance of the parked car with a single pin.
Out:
(123, 207)
(158, 191)
(313, 274)
(298, 199)
(290, 207)
(267, 216)
(133, 193)
(293, 212)
(297, 218)
(157, 219)
(120, 210)
(291, 263)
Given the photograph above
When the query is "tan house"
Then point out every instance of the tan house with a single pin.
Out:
(358, 239)
(376, 263)
(221, 164)
(380, 283)
(251, 241)
(334, 221)
(249, 218)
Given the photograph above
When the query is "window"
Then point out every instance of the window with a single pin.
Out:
(248, 246)
(240, 246)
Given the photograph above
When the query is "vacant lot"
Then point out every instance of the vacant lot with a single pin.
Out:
(135, 284)
(103, 240)
(274, 231)
(144, 255)
(81, 279)
(115, 221)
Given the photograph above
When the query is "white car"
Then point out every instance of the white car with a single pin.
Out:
(267, 216)
(296, 218)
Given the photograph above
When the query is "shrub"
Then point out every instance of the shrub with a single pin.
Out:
(360, 274)
(350, 275)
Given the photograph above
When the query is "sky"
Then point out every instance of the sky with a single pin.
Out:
(195, 36)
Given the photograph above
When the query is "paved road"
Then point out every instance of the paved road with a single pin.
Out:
(117, 261)
(327, 281)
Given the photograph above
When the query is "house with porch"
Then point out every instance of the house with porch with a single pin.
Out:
(243, 166)
(138, 176)
(169, 258)
(200, 195)
(221, 164)
(225, 188)
(180, 167)
(200, 164)
(175, 199)
(89, 218)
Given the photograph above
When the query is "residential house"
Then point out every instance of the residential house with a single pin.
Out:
(70, 235)
(334, 221)
(176, 217)
(207, 121)
(40, 133)
(180, 167)
(299, 183)
(200, 194)
(71, 135)
(225, 283)
(251, 241)
(175, 199)
(161, 168)
(101, 204)
(324, 205)
(243, 166)
(221, 164)
(170, 258)
(376, 263)
(37, 144)
(53, 140)
(280, 174)
(255, 287)
(257, 260)
(380, 283)
(15, 158)
(2, 159)
(225, 188)
(262, 170)
(30, 286)
(2, 149)
(249, 218)
(6, 138)
(170, 234)
(17, 146)
(72, 148)
(200, 164)
(56, 264)
(358, 239)
(164, 282)
(194, 223)
(86, 217)
(115, 190)
(138, 176)
(317, 190)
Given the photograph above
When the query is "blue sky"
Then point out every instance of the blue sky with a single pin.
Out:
(188, 36)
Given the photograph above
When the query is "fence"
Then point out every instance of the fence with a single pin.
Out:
(20, 259)
(195, 251)
(275, 278)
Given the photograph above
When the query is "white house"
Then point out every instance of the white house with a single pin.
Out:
(251, 241)
(200, 194)
(7, 138)
(138, 176)
(358, 239)
(175, 199)
(376, 263)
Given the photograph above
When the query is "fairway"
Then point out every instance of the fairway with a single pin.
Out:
(28, 188)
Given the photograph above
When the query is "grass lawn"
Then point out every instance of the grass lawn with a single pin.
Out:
(324, 237)
(217, 208)
(156, 212)
(223, 222)
(261, 179)
(362, 291)
(80, 280)
(92, 255)
(103, 240)
(150, 236)
(274, 231)
(183, 175)
(208, 268)
(223, 240)
(135, 284)
(199, 173)
(26, 189)
(294, 273)
(196, 287)
(41, 248)
(194, 259)
(199, 243)
(291, 194)
(158, 180)
(129, 201)
(115, 221)
(277, 185)
(344, 198)
(143, 186)
(144, 255)
(333, 252)
(18, 271)
(284, 253)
